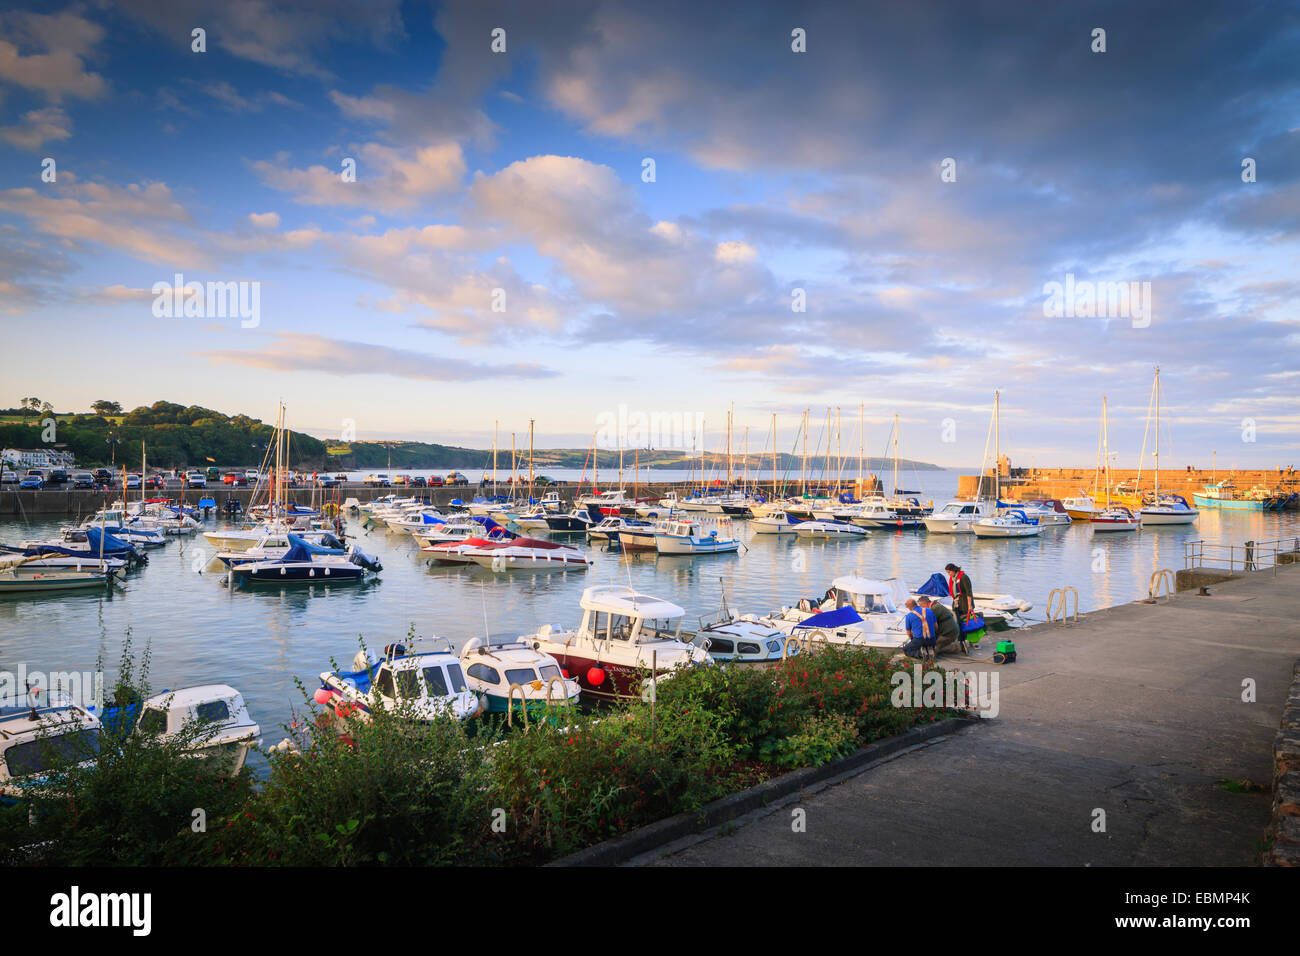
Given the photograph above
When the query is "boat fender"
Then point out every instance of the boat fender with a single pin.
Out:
(322, 695)
(596, 676)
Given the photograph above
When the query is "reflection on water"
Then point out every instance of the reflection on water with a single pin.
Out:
(260, 639)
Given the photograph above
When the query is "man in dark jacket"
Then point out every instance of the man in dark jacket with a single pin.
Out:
(949, 631)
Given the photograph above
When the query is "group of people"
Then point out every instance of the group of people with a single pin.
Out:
(934, 629)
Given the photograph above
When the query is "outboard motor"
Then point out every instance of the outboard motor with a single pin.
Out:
(359, 557)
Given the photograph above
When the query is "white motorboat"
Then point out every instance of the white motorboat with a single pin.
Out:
(1168, 510)
(528, 554)
(1050, 512)
(36, 740)
(696, 536)
(215, 714)
(624, 642)
(502, 673)
(774, 522)
(1007, 523)
(422, 685)
(957, 516)
(1115, 518)
(829, 529)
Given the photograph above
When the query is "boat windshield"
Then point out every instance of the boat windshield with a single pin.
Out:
(47, 753)
(521, 675)
(864, 603)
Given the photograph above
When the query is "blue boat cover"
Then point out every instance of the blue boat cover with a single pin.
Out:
(111, 544)
(840, 617)
(302, 550)
(935, 586)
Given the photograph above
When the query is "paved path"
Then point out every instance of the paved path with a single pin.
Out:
(1135, 710)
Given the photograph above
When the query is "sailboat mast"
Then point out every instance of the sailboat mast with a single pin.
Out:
(804, 477)
(1105, 446)
(997, 447)
(774, 454)
(496, 427)
(862, 425)
(896, 454)
(1159, 396)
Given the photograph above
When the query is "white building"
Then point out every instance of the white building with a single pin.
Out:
(23, 458)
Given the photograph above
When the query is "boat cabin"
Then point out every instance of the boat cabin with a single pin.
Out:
(864, 595)
(34, 741)
(617, 613)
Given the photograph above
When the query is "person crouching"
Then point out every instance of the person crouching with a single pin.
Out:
(922, 630)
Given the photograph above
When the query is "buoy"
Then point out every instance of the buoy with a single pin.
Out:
(595, 677)
(322, 696)
(565, 671)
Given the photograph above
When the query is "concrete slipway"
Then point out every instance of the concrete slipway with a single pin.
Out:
(1136, 710)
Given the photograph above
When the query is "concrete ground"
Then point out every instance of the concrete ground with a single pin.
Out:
(1136, 710)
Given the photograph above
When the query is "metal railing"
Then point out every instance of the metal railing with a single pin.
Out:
(1249, 556)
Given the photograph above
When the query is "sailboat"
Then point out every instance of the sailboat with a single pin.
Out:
(1166, 509)
(1113, 517)
(1006, 522)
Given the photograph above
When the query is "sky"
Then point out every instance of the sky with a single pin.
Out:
(674, 208)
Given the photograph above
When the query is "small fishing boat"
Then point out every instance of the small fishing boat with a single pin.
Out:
(1050, 512)
(642, 538)
(1168, 509)
(422, 685)
(696, 536)
(1114, 518)
(1007, 523)
(533, 520)
(1081, 507)
(528, 554)
(829, 529)
(305, 563)
(576, 521)
(500, 673)
(734, 640)
(624, 642)
(214, 714)
(277, 544)
(892, 516)
(958, 515)
(774, 522)
(36, 740)
(610, 529)
(458, 552)
(16, 579)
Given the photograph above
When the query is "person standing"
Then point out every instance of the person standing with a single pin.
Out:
(962, 593)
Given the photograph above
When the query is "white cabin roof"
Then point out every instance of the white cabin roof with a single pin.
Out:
(856, 585)
(192, 696)
(618, 599)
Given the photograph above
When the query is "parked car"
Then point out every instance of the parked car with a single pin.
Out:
(435, 481)
(133, 481)
(251, 474)
(418, 481)
(103, 476)
(83, 479)
(8, 477)
(377, 481)
(196, 479)
(400, 479)
(456, 478)
(543, 480)
(328, 481)
(154, 483)
(32, 481)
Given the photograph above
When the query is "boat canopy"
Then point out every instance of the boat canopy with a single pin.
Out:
(856, 585)
(936, 585)
(617, 599)
(840, 617)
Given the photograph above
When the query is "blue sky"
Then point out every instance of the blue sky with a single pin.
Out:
(775, 171)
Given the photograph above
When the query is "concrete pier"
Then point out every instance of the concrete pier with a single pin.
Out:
(1136, 711)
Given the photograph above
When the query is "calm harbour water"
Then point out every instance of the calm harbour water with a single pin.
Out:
(259, 640)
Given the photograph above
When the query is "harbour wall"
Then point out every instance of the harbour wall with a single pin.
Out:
(1019, 484)
(49, 502)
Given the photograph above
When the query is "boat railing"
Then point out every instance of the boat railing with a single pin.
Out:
(1248, 556)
